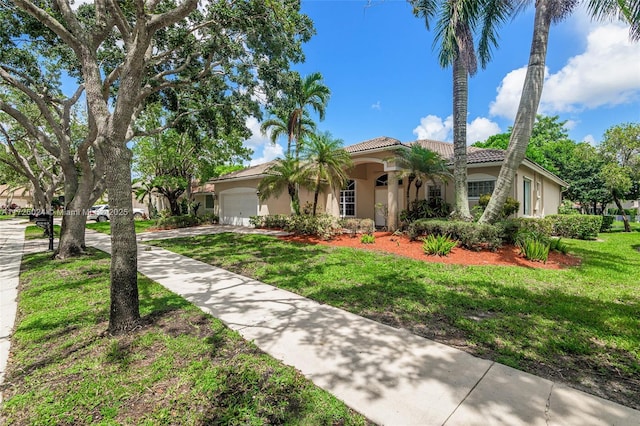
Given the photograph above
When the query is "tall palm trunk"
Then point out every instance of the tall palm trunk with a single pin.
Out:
(460, 97)
(409, 181)
(418, 185)
(526, 115)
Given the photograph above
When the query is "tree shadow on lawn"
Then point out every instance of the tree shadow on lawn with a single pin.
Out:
(511, 323)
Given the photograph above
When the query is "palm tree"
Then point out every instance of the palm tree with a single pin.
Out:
(278, 125)
(420, 164)
(310, 93)
(547, 12)
(326, 163)
(283, 174)
(458, 19)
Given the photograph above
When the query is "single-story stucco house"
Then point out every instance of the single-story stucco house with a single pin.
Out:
(372, 181)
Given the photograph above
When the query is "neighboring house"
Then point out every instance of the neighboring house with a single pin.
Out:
(372, 181)
(21, 196)
(205, 195)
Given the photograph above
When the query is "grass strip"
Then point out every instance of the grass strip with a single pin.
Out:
(580, 326)
(105, 227)
(180, 367)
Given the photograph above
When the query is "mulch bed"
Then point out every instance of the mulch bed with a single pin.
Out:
(401, 245)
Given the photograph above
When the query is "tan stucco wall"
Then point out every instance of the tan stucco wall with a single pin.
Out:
(369, 166)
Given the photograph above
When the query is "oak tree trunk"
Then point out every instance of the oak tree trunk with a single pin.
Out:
(124, 313)
(526, 115)
(460, 95)
(625, 219)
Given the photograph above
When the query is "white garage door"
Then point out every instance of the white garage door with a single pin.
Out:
(237, 208)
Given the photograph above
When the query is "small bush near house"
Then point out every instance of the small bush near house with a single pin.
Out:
(511, 205)
(183, 221)
(474, 236)
(438, 245)
(607, 223)
(567, 208)
(367, 239)
(423, 209)
(583, 227)
(509, 229)
(323, 225)
(277, 221)
(355, 226)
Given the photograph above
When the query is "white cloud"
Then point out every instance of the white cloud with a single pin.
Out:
(260, 143)
(570, 124)
(480, 129)
(589, 139)
(434, 127)
(509, 92)
(604, 75)
(269, 152)
(377, 106)
(257, 139)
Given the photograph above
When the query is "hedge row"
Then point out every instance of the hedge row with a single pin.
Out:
(323, 225)
(184, 221)
(583, 227)
(471, 235)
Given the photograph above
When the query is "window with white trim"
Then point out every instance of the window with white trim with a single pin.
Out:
(348, 199)
(434, 192)
(526, 197)
(481, 187)
(384, 181)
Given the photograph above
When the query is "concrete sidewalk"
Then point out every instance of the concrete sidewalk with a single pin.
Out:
(11, 247)
(387, 374)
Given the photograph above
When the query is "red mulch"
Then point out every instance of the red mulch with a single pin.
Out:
(386, 242)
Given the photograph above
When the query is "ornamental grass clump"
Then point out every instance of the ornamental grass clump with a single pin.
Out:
(438, 245)
(535, 250)
(368, 239)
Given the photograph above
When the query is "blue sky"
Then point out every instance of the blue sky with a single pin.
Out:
(385, 79)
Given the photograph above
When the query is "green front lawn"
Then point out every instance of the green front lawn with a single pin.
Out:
(105, 227)
(580, 325)
(34, 232)
(181, 367)
(6, 216)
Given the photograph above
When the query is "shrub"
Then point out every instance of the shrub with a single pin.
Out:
(508, 229)
(257, 221)
(511, 205)
(534, 249)
(212, 218)
(323, 225)
(278, 221)
(607, 223)
(439, 245)
(567, 208)
(583, 227)
(368, 239)
(355, 225)
(474, 236)
(425, 209)
(182, 221)
(556, 244)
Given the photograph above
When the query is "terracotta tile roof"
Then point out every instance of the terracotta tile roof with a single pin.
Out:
(249, 172)
(482, 155)
(376, 143)
(474, 155)
(202, 188)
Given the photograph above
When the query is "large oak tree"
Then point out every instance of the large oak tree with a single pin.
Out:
(184, 54)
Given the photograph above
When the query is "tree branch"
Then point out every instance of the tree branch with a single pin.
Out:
(50, 22)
